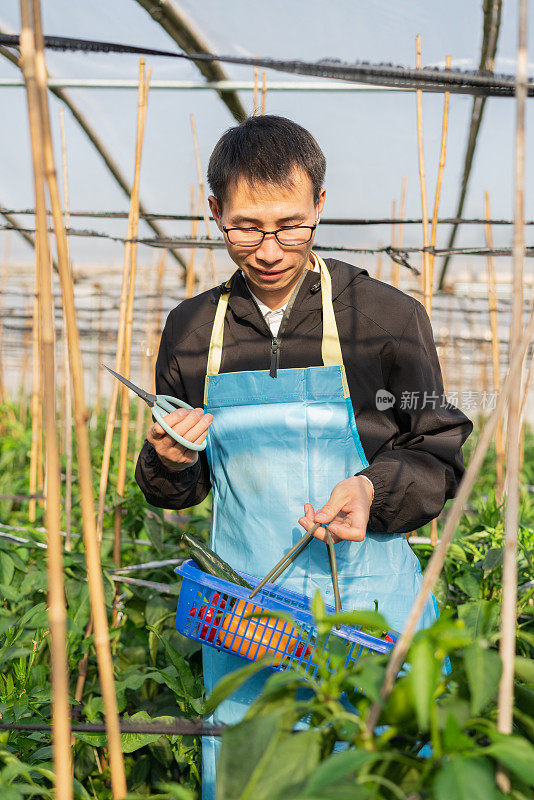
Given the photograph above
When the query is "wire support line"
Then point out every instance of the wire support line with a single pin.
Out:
(218, 86)
(4, 528)
(86, 313)
(429, 79)
(398, 254)
(180, 726)
(324, 220)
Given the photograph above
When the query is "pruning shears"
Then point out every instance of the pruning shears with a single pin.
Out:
(161, 404)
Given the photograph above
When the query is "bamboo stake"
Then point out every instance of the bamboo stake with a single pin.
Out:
(434, 231)
(190, 272)
(402, 209)
(68, 443)
(146, 361)
(100, 350)
(121, 334)
(400, 231)
(437, 559)
(526, 387)
(157, 318)
(57, 614)
(255, 112)
(394, 265)
(521, 446)
(526, 390)
(203, 198)
(379, 266)
(95, 581)
(505, 700)
(125, 397)
(427, 264)
(23, 405)
(495, 353)
(441, 168)
(68, 389)
(62, 393)
(427, 286)
(263, 92)
(35, 399)
(40, 460)
(5, 267)
(484, 369)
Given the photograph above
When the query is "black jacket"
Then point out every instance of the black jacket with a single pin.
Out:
(413, 448)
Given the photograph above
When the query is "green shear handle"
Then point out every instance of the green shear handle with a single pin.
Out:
(161, 404)
(164, 405)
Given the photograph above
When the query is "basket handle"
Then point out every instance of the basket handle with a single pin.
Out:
(288, 559)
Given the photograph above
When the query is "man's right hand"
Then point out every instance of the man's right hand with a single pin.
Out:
(192, 425)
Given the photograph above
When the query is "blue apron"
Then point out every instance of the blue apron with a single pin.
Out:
(275, 444)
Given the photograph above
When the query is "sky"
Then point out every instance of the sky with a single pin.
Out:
(369, 139)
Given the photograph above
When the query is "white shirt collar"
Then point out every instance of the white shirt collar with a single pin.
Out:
(265, 310)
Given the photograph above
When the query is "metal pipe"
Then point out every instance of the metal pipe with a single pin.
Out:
(245, 86)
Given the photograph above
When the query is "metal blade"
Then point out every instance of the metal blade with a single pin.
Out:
(150, 399)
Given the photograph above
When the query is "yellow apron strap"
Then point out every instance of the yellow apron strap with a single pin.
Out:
(330, 350)
(216, 341)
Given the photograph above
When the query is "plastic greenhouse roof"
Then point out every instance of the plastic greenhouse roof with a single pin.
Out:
(369, 138)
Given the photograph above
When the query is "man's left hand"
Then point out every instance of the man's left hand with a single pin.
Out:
(348, 509)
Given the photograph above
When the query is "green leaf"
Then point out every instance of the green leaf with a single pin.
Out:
(468, 583)
(7, 568)
(337, 767)
(156, 610)
(35, 617)
(134, 741)
(81, 617)
(371, 621)
(441, 592)
(79, 790)
(481, 618)
(317, 607)
(492, 560)
(292, 762)
(483, 669)
(524, 669)
(454, 739)
(524, 699)
(233, 681)
(162, 751)
(277, 762)
(368, 678)
(138, 772)
(516, 753)
(242, 748)
(399, 705)
(179, 663)
(8, 592)
(450, 634)
(465, 779)
(423, 678)
(94, 739)
(175, 791)
(154, 529)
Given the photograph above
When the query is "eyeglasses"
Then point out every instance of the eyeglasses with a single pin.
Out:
(290, 236)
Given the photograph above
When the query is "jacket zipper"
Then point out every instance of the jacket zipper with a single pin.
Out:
(275, 344)
(276, 341)
(275, 356)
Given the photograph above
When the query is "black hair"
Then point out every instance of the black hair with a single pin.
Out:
(265, 149)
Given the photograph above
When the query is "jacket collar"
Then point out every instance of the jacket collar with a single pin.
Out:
(308, 298)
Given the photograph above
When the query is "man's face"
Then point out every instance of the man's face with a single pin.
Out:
(271, 269)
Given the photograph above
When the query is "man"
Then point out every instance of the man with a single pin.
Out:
(298, 371)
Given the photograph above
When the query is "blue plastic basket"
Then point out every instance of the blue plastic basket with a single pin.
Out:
(209, 611)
